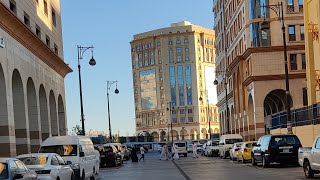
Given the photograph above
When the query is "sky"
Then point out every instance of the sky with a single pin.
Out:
(109, 25)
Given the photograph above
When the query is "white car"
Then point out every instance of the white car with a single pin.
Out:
(211, 148)
(234, 151)
(48, 166)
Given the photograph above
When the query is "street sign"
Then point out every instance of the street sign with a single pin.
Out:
(2, 45)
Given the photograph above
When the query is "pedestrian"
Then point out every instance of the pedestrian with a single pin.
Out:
(163, 152)
(176, 152)
(133, 154)
(166, 152)
(194, 150)
(142, 153)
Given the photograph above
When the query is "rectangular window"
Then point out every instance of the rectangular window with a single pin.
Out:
(174, 112)
(152, 62)
(170, 51)
(181, 86)
(170, 42)
(140, 64)
(145, 55)
(189, 111)
(179, 58)
(13, 6)
(190, 119)
(54, 18)
(290, 6)
(182, 120)
(26, 19)
(293, 62)
(292, 33)
(305, 96)
(178, 41)
(179, 49)
(174, 120)
(303, 61)
(171, 60)
(188, 84)
(186, 41)
(301, 32)
(181, 111)
(173, 85)
(301, 5)
(187, 49)
(47, 40)
(160, 61)
(146, 63)
(56, 49)
(151, 53)
(45, 7)
(139, 56)
(38, 31)
(186, 58)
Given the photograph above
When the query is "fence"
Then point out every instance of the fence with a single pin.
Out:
(300, 117)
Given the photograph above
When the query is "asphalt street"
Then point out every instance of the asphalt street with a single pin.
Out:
(203, 168)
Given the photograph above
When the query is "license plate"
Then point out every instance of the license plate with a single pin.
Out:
(102, 156)
(286, 151)
(286, 147)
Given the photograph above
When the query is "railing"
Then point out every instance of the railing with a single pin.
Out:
(309, 115)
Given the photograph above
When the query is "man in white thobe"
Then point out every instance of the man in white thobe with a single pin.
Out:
(194, 150)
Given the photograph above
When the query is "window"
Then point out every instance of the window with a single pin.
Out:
(173, 85)
(293, 62)
(187, 49)
(178, 41)
(170, 51)
(181, 87)
(303, 61)
(187, 58)
(26, 19)
(305, 96)
(54, 161)
(47, 40)
(54, 19)
(186, 41)
(151, 53)
(290, 6)
(152, 62)
(38, 31)
(292, 33)
(179, 49)
(140, 64)
(56, 49)
(190, 119)
(13, 6)
(301, 5)
(145, 55)
(189, 111)
(179, 58)
(318, 144)
(181, 111)
(301, 32)
(174, 120)
(45, 6)
(139, 56)
(182, 120)
(160, 61)
(170, 42)
(146, 63)
(189, 84)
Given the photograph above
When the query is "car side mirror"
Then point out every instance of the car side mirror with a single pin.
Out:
(69, 162)
(17, 176)
(81, 154)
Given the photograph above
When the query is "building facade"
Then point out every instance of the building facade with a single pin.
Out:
(32, 71)
(169, 67)
(250, 63)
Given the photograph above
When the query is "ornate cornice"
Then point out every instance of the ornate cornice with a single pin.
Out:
(10, 23)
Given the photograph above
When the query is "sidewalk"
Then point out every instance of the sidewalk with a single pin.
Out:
(150, 169)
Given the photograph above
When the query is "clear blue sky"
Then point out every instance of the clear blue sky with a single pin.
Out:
(109, 25)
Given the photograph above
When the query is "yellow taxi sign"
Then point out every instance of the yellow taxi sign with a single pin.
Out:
(67, 150)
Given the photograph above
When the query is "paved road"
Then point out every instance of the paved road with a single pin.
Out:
(202, 168)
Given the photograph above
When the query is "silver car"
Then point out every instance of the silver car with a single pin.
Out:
(11, 168)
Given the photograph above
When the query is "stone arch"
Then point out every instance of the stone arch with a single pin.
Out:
(193, 134)
(275, 102)
(33, 115)
(251, 118)
(53, 114)
(4, 112)
(44, 113)
(162, 135)
(204, 134)
(155, 136)
(19, 111)
(216, 131)
(62, 117)
(175, 135)
(184, 134)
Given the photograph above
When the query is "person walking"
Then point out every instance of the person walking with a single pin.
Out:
(142, 150)
(176, 152)
(163, 152)
(194, 151)
(166, 152)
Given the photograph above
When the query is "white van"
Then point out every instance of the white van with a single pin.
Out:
(182, 148)
(226, 142)
(78, 150)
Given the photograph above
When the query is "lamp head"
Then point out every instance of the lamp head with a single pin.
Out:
(265, 25)
(215, 82)
(92, 61)
(116, 91)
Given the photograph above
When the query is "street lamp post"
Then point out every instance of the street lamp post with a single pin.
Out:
(278, 9)
(92, 62)
(208, 113)
(116, 91)
(226, 89)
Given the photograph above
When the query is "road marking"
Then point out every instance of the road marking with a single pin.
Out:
(181, 171)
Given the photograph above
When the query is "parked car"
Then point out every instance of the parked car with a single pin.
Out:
(212, 148)
(199, 147)
(234, 151)
(119, 148)
(276, 149)
(190, 148)
(244, 153)
(126, 152)
(77, 149)
(182, 148)
(15, 169)
(309, 158)
(110, 156)
(226, 142)
(48, 166)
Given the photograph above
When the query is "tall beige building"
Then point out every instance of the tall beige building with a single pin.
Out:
(250, 62)
(169, 67)
(32, 71)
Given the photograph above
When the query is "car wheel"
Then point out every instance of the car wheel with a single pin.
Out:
(265, 163)
(308, 172)
(253, 161)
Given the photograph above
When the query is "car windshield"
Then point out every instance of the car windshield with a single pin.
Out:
(38, 160)
(62, 150)
(249, 145)
(3, 171)
(180, 144)
(232, 141)
(284, 140)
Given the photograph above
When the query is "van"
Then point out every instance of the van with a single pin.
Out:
(78, 150)
(182, 148)
(226, 142)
